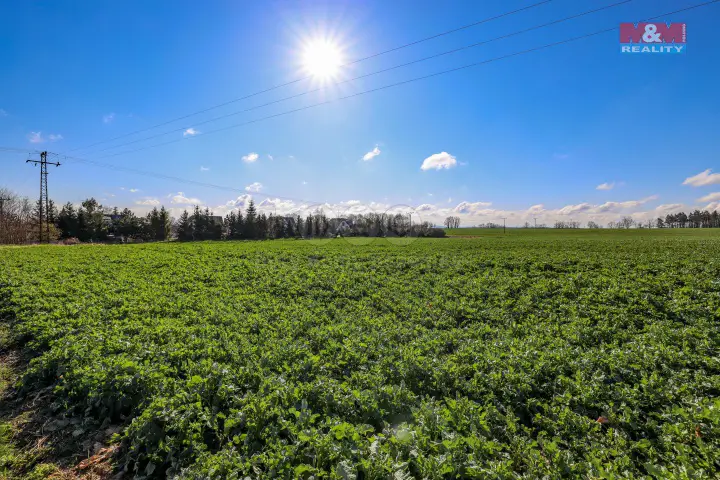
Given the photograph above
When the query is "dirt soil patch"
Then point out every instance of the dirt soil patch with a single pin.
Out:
(37, 439)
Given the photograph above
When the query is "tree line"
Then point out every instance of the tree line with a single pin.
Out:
(696, 219)
(253, 225)
(90, 222)
(93, 222)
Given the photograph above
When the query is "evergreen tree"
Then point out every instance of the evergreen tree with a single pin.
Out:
(262, 227)
(199, 224)
(299, 226)
(287, 227)
(153, 225)
(67, 221)
(229, 226)
(239, 227)
(163, 230)
(185, 227)
(129, 224)
(83, 232)
(308, 226)
(251, 221)
(92, 227)
(214, 228)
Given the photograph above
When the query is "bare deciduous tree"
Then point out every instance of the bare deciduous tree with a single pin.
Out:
(626, 222)
(452, 222)
(16, 219)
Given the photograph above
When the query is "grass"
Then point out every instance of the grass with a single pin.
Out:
(582, 232)
(534, 354)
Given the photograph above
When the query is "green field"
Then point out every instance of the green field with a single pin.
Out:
(582, 232)
(534, 354)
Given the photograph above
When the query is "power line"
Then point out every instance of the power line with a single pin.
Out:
(340, 82)
(522, 52)
(394, 49)
(326, 102)
(21, 150)
(177, 179)
(415, 79)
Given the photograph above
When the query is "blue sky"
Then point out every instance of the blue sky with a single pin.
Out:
(546, 128)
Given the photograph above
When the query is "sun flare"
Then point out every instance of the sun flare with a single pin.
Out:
(322, 59)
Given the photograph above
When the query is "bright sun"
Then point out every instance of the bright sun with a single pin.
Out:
(322, 59)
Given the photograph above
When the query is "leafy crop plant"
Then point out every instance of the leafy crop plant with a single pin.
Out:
(520, 356)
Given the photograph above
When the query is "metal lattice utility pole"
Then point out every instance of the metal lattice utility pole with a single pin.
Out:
(504, 218)
(44, 202)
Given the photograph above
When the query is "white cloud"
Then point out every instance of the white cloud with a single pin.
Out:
(204, 169)
(702, 179)
(711, 197)
(133, 190)
(254, 187)
(472, 213)
(181, 199)
(670, 207)
(250, 157)
(575, 209)
(439, 161)
(371, 154)
(476, 207)
(270, 157)
(618, 206)
(108, 118)
(148, 201)
(190, 132)
(304, 182)
(605, 186)
(711, 207)
(607, 207)
(240, 203)
(277, 206)
(35, 137)
(53, 137)
(536, 209)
